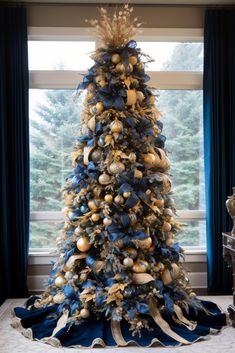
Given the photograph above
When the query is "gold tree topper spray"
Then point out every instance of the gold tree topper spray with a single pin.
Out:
(117, 29)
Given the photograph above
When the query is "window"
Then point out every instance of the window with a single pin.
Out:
(54, 122)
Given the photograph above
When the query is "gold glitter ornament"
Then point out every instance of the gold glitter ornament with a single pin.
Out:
(116, 126)
(119, 199)
(60, 281)
(104, 179)
(116, 58)
(58, 298)
(108, 198)
(116, 167)
(83, 244)
(128, 262)
(133, 60)
(84, 313)
(96, 155)
(93, 205)
(95, 217)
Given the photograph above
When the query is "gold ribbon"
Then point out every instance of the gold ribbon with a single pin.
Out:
(142, 278)
(164, 326)
(117, 333)
(191, 325)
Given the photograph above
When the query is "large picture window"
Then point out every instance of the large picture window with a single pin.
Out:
(55, 116)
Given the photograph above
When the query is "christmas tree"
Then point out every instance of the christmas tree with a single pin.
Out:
(119, 276)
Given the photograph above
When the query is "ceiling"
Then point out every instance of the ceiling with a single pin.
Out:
(143, 2)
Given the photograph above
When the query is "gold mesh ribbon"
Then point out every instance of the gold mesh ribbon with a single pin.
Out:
(117, 333)
(164, 326)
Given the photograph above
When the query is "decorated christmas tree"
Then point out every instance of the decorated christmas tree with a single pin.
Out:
(119, 276)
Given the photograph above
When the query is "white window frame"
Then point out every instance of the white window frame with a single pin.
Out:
(67, 79)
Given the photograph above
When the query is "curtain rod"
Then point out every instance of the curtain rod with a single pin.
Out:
(204, 6)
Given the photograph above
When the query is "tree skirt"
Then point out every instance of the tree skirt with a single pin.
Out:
(46, 325)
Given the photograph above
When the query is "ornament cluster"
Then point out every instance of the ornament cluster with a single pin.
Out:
(117, 248)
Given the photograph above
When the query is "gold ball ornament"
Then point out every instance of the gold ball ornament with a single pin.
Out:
(60, 281)
(116, 126)
(133, 60)
(108, 198)
(128, 262)
(93, 205)
(59, 298)
(166, 227)
(107, 221)
(85, 313)
(120, 67)
(119, 199)
(192, 295)
(115, 58)
(149, 158)
(140, 267)
(138, 174)
(99, 107)
(83, 244)
(127, 194)
(116, 167)
(104, 179)
(95, 217)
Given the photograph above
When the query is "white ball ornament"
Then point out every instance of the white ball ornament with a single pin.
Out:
(107, 221)
(85, 313)
(128, 262)
(119, 199)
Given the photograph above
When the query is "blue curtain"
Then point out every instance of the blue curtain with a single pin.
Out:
(14, 153)
(219, 135)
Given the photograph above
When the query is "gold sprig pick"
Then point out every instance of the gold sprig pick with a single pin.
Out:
(117, 29)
